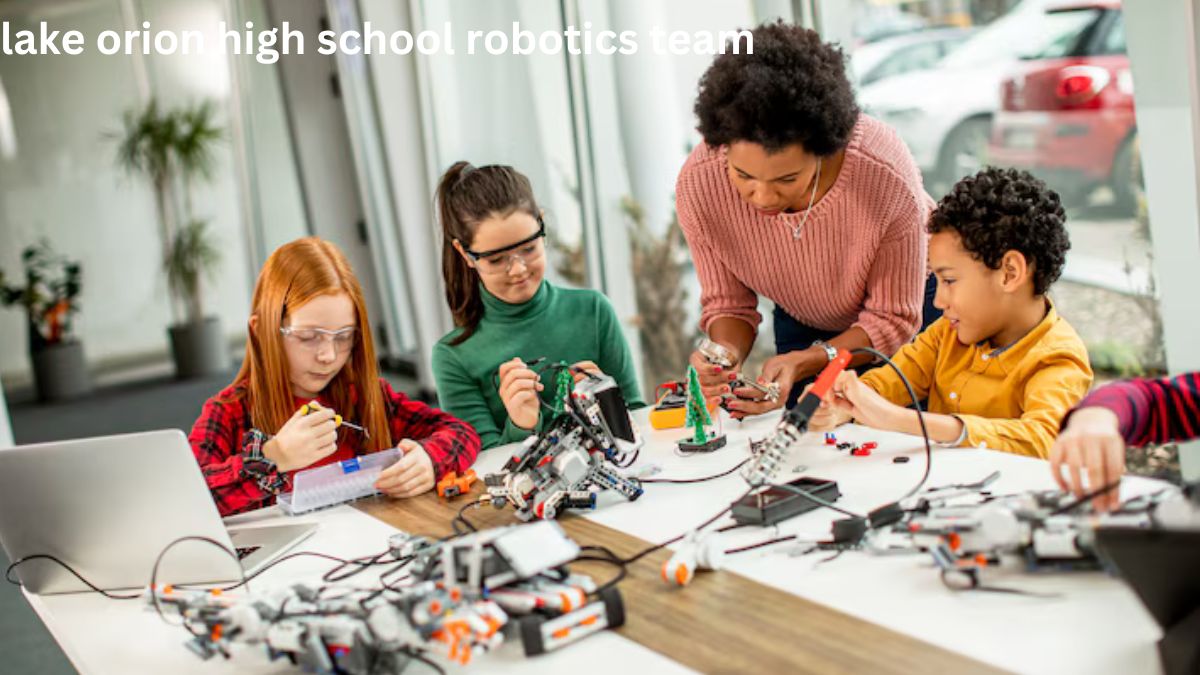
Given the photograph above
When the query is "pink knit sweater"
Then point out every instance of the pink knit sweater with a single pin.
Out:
(860, 259)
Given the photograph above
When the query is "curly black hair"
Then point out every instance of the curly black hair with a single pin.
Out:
(1001, 210)
(792, 89)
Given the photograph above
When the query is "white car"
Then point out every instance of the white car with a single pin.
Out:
(894, 56)
(945, 114)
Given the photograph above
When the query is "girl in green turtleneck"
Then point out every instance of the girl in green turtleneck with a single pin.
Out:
(507, 314)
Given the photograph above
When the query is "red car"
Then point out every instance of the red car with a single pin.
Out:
(1066, 112)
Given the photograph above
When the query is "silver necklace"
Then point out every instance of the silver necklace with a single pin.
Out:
(811, 200)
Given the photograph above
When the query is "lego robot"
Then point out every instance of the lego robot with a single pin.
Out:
(580, 455)
(466, 594)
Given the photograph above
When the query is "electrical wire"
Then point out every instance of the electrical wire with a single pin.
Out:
(77, 575)
(1076, 503)
(816, 500)
(917, 407)
(682, 481)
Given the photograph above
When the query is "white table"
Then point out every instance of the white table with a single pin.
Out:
(1094, 625)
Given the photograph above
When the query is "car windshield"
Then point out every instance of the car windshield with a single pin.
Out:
(1062, 31)
(865, 58)
(1004, 39)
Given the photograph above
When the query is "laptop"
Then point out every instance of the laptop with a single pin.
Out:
(1163, 568)
(108, 506)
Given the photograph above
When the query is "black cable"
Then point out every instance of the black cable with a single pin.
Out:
(362, 564)
(645, 552)
(816, 500)
(423, 659)
(916, 405)
(761, 544)
(1086, 498)
(461, 516)
(680, 481)
(163, 553)
(77, 575)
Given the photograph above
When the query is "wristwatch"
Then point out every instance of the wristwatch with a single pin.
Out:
(830, 350)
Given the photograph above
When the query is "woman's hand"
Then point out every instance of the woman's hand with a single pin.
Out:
(1090, 444)
(851, 397)
(519, 387)
(714, 379)
(783, 369)
(303, 440)
(411, 476)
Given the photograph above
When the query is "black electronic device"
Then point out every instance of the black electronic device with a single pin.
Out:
(1160, 565)
(777, 504)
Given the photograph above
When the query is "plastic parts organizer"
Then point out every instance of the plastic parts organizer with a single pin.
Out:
(338, 483)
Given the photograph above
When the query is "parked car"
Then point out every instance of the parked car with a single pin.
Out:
(1067, 111)
(945, 114)
(872, 23)
(904, 53)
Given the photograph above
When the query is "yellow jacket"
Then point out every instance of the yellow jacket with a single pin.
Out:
(1010, 400)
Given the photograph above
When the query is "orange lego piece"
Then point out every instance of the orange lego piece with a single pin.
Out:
(452, 485)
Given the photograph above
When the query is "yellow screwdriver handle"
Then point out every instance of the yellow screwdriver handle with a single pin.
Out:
(313, 406)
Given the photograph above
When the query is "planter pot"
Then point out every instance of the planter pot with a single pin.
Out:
(60, 371)
(199, 349)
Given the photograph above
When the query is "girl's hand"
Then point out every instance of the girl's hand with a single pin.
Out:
(851, 397)
(411, 476)
(303, 440)
(1091, 445)
(587, 366)
(519, 387)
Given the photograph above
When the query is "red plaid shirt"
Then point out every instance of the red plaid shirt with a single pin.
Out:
(220, 442)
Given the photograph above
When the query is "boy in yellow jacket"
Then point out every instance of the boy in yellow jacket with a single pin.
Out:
(1001, 368)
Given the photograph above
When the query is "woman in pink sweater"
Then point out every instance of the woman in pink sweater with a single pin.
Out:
(797, 196)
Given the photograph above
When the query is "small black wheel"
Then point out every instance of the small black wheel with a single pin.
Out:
(614, 607)
(531, 634)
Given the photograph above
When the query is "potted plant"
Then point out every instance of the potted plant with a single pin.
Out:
(173, 149)
(49, 296)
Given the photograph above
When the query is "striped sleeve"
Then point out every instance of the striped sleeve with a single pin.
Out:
(1152, 411)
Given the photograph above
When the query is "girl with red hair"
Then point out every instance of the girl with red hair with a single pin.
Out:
(310, 341)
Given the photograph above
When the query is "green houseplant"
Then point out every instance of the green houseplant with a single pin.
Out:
(174, 150)
(49, 296)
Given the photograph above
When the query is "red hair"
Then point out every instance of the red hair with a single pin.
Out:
(296, 273)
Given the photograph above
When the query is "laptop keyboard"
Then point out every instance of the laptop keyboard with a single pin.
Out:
(244, 551)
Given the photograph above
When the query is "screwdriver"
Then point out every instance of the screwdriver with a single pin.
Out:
(313, 406)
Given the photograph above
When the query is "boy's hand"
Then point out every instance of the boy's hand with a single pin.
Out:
(1091, 443)
(851, 397)
(411, 476)
(519, 387)
(826, 417)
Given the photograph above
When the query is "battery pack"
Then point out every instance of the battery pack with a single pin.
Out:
(777, 504)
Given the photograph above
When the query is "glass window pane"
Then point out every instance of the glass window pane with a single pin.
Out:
(511, 109)
(61, 181)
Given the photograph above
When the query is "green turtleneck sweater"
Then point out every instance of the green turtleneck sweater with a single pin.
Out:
(560, 324)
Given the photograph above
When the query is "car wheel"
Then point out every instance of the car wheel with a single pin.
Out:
(1127, 183)
(964, 152)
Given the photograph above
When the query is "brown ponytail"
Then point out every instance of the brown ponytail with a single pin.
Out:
(466, 196)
